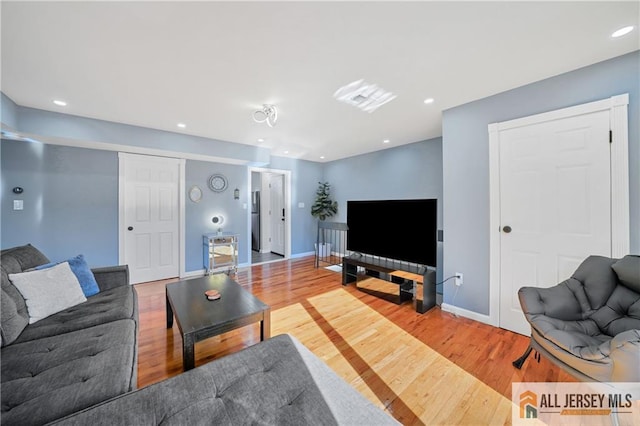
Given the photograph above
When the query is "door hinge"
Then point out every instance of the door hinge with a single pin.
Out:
(610, 136)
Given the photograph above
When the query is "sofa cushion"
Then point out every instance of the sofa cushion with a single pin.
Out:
(48, 291)
(628, 271)
(19, 259)
(106, 306)
(46, 379)
(13, 322)
(14, 316)
(276, 382)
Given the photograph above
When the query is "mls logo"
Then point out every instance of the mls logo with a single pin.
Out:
(528, 405)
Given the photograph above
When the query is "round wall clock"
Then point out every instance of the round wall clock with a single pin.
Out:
(218, 182)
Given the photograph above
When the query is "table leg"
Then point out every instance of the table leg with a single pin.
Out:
(188, 352)
(169, 313)
(265, 325)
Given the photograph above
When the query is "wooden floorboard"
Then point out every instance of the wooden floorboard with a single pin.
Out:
(482, 351)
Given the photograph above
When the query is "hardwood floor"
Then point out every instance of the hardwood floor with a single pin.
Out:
(483, 351)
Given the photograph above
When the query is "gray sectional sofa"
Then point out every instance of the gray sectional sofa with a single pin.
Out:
(71, 360)
(78, 367)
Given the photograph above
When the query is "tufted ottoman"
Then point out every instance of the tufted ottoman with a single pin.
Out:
(276, 382)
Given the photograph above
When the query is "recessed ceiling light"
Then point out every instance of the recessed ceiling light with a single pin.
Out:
(286, 152)
(428, 101)
(260, 140)
(322, 157)
(386, 141)
(59, 102)
(622, 31)
(182, 125)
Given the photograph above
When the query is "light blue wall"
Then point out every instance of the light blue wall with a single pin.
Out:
(8, 111)
(70, 201)
(198, 215)
(52, 124)
(404, 172)
(466, 163)
(53, 173)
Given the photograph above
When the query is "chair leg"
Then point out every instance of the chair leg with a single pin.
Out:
(518, 362)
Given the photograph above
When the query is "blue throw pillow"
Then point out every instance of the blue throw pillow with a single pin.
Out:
(81, 270)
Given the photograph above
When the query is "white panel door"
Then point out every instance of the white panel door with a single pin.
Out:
(555, 204)
(278, 214)
(150, 217)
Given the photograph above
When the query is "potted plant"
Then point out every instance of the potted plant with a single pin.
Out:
(323, 208)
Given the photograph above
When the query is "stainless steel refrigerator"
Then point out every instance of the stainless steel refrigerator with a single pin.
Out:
(255, 220)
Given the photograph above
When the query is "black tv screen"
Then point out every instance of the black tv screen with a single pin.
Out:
(395, 229)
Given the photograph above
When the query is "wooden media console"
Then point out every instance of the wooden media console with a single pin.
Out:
(391, 280)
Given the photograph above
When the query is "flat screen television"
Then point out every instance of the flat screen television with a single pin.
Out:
(403, 230)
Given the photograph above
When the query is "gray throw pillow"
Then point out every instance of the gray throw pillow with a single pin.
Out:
(48, 291)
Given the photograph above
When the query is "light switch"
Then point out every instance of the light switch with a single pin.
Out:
(301, 205)
(244, 206)
(18, 205)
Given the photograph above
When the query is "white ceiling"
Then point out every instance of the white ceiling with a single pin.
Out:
(210, 64)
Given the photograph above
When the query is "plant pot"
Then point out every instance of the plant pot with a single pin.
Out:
(323, 249)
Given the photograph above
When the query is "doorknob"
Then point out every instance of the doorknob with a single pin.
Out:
(130, 228)
(506, 229)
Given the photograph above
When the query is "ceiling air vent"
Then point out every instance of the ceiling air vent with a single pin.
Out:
(368, 97)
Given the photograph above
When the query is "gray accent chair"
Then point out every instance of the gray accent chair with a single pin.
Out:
(589, 325)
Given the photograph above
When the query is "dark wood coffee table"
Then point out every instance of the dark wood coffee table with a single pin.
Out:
(199, 318)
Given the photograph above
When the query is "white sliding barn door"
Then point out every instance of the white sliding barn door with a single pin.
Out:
(149, 216)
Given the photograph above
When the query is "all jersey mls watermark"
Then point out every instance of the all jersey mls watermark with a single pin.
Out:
(584, 403)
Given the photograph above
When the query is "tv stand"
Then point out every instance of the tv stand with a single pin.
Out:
(414, 282)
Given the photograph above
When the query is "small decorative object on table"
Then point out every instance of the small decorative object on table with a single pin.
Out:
(212, 294)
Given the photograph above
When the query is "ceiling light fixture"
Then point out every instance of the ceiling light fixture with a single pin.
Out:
(182, 125)
(386, 141)
(268, 114)
(368, 97)
(59, 102)
(622, 31)
(322, 157)
(260, 140)
(428, 101)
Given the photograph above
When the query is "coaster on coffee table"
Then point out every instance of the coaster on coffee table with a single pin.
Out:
(212, 294)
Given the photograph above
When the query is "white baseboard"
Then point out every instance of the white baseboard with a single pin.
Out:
(466, 313)
(297, 255)
(193, 274)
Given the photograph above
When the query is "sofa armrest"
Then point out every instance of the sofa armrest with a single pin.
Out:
(625, 354)
(111, 276)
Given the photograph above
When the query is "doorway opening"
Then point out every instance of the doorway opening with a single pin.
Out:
(269, 215)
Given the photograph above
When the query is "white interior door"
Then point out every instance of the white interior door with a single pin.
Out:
(555, 204)
(278, 214)
(150, 216)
